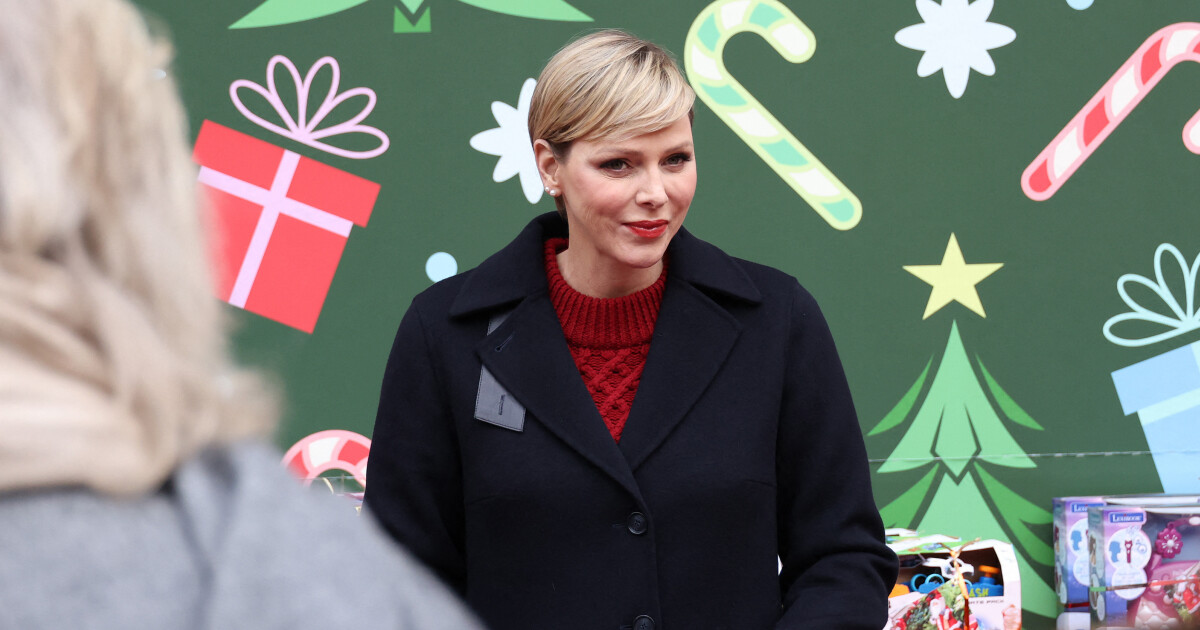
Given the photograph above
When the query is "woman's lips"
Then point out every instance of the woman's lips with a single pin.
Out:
(648, 229)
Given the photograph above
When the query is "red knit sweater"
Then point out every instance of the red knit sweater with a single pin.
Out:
(608, 337)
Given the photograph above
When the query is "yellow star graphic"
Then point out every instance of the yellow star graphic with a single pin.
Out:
(953, 280)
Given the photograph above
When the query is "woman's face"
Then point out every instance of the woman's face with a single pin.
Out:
(624, 200)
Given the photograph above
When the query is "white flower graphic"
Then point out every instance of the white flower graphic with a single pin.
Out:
(956, 38)
(510, 141)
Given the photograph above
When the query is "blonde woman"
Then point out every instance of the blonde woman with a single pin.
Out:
(134, 489)
(611, 424)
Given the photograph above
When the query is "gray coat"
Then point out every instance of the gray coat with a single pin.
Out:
(230, 542)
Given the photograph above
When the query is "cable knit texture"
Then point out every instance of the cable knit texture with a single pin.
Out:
(609, 338)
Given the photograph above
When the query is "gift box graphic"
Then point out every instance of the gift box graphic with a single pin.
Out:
(1165, 393)
(280, 222)
(1163, 390)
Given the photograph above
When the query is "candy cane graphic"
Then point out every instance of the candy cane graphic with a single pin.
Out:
(791, 160)
(1131, 83)
(324, 451)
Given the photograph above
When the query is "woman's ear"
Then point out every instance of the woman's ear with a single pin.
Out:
(547, 163)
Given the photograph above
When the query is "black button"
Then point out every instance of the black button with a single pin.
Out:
(637, 525)
(643, 623)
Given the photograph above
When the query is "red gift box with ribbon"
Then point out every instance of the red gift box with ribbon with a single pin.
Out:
(278, 221)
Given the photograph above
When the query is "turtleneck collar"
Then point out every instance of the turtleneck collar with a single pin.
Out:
(607, 323)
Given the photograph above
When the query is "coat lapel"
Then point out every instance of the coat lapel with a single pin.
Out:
(692, 338)
(528, 355)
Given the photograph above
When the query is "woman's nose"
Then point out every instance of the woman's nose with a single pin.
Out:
(653, 192)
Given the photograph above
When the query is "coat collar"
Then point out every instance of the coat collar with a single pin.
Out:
(528, 355)
(517, 270)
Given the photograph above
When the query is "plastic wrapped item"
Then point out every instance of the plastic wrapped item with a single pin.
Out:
(936, 571)
(1145, 566)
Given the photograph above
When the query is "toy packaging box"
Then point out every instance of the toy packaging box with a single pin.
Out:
(928, 598)
(1071, 565)
(1145, 566)
(1150, 499)
(1077, 619)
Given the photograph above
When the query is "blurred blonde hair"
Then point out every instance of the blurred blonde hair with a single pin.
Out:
(113, 358)
(606, 85)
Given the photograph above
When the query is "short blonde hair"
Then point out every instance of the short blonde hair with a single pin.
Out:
(606, 85)
(114, 364)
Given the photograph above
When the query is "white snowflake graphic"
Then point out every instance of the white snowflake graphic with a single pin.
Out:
(510, 141)
(956, 38)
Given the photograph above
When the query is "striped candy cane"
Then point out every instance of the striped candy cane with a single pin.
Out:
(746, 116)
(324, 451)
(1131, 83)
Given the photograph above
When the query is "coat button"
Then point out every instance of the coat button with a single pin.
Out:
(637, 525)
(643, 623)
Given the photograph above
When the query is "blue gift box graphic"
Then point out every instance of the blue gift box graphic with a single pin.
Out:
(1165, 393)
(1163, 390)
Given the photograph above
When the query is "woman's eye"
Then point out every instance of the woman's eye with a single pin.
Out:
(679, 159)
(614, 165)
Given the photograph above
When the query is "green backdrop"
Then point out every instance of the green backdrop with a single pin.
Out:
(978, 413)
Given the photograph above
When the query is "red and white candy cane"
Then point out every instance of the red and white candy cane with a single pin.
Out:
(324, 451)
(1131, 83)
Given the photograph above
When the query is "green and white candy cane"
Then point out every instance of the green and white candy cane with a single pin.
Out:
(790, 159)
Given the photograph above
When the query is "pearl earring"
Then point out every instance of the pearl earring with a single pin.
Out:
(552, 192)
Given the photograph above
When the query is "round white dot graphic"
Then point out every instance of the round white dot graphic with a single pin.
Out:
(440, 266)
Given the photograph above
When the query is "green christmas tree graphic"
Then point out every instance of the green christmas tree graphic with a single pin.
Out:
(957, 434)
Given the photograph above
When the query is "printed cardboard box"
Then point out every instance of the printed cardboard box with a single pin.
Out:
(1072, 566)
(1071, 562)
(1145, 566)
(995, 600)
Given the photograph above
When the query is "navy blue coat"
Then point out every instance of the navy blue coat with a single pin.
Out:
(742, 444)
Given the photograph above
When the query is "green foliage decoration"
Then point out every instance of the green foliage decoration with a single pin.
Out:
(955, 431)
(557, 10)
(279, 12)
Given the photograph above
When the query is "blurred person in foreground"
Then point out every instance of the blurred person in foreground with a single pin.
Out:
(658, 424)
(135, 488)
